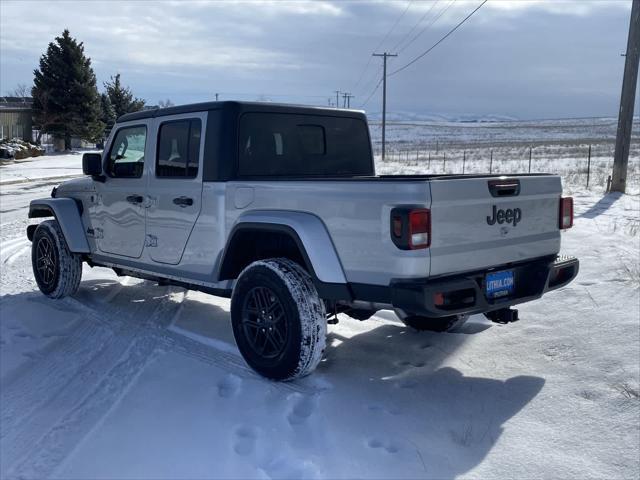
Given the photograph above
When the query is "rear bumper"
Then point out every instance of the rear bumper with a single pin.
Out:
(465, 294)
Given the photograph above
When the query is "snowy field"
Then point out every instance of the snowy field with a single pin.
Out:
(133, 380)
(537, 146)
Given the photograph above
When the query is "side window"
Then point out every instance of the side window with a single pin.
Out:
(126, 157)
(178, 149)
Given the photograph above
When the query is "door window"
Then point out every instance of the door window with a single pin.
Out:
(126, 157)
(178, 149)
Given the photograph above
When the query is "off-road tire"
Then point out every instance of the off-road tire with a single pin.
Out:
(293, 323)
(56, 270)
(442, 324)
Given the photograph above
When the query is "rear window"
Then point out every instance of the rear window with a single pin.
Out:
(280, 144)
(178, 149)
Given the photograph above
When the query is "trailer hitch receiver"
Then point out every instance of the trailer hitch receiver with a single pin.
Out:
(504, 315)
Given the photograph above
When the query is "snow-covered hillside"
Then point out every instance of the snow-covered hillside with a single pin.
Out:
(134, 380)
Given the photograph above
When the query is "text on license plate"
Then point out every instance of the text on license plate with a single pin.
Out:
(500, 284)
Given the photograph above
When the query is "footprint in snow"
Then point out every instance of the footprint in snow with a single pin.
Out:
(377, 407)
(407, 384)
(244, 442)
(409, 363)
(229, 386)
(389, 447)
(303, 408)
(24, 335)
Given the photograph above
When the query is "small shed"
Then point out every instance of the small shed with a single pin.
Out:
(16, 118)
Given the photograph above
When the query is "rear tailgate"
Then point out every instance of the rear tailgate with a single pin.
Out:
(481, 222)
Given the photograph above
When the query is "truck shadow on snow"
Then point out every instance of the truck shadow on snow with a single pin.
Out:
(450, 420)
(381, 388)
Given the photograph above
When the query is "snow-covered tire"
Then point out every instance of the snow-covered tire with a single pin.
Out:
(57, 271)
(279, 321)
(426, 324)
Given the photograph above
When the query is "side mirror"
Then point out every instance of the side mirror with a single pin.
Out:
(92, 164)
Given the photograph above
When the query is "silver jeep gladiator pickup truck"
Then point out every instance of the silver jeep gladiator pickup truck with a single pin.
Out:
(278, 207)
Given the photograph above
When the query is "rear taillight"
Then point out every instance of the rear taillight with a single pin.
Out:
(411, 228)
(566, 213)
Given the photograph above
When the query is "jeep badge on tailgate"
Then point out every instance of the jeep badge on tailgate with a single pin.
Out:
(501, 216)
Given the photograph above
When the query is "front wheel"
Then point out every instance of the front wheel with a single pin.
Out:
(279, 321)
(440, 324)
(57, 271)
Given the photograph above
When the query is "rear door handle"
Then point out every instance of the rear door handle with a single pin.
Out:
(136, 199)
(183, 201)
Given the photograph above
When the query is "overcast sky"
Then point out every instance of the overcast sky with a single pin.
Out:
(539, 59)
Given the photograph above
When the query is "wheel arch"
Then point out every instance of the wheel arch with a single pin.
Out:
(298, 236)
(67, 213)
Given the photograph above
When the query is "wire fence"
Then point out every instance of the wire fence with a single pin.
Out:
(585, 165)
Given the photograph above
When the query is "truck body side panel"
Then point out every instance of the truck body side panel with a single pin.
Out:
(355, 214)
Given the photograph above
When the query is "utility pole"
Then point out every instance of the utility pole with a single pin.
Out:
(216, 97)
(337, 98)
(384, 56)
(348, 97)
(345, 95)
(627, 99)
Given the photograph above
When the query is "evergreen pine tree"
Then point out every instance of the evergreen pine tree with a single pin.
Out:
(107, 112)
(66, 102)
(121, 97)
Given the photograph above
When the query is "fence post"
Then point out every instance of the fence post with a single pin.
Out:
(444, 162)
(417, 151)
(589, 166)
(529, 159)
(436, 147)
(491, 163)
(429, 164)
(608, 184)
(464, 159)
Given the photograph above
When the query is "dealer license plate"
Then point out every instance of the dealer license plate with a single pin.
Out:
(500, 284)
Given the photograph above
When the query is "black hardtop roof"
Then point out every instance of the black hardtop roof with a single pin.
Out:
(240, 107)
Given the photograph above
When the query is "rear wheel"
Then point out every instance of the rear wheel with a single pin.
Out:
(279, 321)
(440, 324)
(57, 271)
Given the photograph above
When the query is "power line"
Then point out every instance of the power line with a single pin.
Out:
(430, 24)
(438, 42)
(397, 45)
(371, 94)
(373, 84)
(395, 24)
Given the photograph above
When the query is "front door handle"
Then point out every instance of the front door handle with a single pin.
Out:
(183, 201)
(135, 199)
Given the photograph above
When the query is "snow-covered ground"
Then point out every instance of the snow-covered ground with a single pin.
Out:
(133, 380)
(48, 167)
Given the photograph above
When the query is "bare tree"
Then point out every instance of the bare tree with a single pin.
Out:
(165, 103)
(21, 91)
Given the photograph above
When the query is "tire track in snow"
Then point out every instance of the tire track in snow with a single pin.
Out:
(47, 455)
(108, 350)
(9, 246)
(33, 401)
(15, 256)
